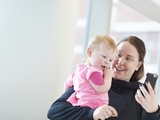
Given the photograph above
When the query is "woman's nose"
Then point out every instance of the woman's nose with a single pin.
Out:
(121, 60)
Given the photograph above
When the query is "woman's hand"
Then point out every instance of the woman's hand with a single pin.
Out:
(148, 100)
(104, 112)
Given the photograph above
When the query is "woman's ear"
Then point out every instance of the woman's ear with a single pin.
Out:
(89, 51)
(139, 65)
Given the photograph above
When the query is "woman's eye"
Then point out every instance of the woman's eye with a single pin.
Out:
(119, 55)
(128, 59)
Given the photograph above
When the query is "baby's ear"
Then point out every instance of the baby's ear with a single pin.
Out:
(89, 51)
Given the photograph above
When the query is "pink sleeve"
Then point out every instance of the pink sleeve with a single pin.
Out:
(69, 82)
(96, 78)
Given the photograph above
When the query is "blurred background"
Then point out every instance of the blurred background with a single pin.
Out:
(42, 41)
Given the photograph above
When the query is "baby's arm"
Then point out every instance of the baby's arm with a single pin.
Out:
(100, 84)
(69, 82)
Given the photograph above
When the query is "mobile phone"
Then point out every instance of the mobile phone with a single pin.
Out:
(152, 78)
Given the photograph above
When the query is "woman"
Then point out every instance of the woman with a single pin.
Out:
(125, 96)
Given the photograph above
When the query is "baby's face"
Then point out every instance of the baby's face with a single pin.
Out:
(102, 57)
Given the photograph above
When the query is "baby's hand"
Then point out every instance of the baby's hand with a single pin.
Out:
(108, 72)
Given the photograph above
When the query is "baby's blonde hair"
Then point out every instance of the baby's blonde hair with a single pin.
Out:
(99, 39)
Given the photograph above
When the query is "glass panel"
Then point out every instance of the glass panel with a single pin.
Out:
(156, 1)
(127, 21)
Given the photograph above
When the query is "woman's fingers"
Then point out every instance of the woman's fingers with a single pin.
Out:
(104, 112)
(100, 113)
(113, 110)
(146, 98)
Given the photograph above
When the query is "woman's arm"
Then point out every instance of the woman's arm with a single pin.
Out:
(62, 110)
(151, 116)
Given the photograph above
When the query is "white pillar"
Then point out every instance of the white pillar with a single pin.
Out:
(36, 47)
(64, 39)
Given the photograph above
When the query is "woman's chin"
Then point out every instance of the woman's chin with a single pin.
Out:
(116, 75)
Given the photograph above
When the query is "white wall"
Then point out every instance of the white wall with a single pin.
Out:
(30, 72)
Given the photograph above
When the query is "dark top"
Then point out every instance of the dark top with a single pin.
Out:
(121, 97)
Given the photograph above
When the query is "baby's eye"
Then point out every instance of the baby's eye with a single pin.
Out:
(104, 56)
(111, 60)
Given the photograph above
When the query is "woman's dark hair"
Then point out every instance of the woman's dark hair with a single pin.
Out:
(140, 47)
